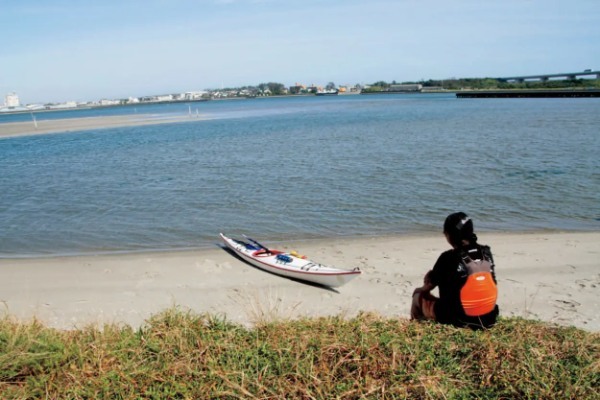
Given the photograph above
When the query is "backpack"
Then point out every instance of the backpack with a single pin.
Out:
(479, 293)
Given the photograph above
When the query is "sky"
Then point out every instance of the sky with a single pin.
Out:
(78, 50)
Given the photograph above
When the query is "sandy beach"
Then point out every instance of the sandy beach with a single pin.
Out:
(553, 277)
(13, 129)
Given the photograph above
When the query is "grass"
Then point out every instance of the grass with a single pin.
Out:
(179, 355)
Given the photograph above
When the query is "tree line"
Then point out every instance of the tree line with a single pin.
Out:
(451, 84)
(491, 84)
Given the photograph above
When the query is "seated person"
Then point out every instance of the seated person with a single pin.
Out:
(465, 276)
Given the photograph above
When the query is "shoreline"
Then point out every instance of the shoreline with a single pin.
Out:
(304, 241)
(550, 276)
(49, 126)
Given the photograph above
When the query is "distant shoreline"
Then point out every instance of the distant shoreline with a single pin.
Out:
(100, 107)
(47, 126)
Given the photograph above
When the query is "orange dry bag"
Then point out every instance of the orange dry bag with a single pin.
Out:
(478, 294)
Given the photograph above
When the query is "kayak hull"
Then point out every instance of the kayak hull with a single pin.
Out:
(288, 265)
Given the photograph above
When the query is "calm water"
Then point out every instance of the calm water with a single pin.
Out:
(293, 168)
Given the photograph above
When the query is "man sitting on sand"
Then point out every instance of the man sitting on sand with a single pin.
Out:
(465, 276)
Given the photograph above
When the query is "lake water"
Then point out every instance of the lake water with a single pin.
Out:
(298, 168)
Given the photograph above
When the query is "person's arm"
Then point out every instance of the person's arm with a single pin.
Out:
(431, 279)
(427, 281)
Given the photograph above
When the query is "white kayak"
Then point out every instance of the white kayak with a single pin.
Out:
(289, 264)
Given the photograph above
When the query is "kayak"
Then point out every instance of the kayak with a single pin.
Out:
(290, 265)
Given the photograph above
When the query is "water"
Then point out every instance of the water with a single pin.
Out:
(296, 168)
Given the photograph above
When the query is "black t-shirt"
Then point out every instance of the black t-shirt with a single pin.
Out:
(449, 275)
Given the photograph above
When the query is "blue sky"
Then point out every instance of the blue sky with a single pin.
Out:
(87, 50)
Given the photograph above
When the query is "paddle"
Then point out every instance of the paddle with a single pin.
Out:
(258, 244)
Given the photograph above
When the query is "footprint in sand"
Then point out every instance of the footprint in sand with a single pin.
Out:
(368, 268)
(406, 284)
(511, 280)
(581, 283)
(219, 267)
(567, 305)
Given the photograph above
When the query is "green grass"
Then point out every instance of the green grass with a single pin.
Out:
(179, 355)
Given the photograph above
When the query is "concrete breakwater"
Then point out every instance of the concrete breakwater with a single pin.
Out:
(528, 93)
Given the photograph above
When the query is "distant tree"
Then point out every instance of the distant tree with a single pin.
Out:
(448, 84)
(431, 83)
(277, 88)
(381, 84)
(273, 87)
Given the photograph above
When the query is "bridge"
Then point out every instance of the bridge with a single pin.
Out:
(544, 78)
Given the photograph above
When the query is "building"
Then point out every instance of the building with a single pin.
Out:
(193, 95)
(432, 89)
(105, 102)
(164, 97)
(405, 88)
(11, 100)
(62, 106)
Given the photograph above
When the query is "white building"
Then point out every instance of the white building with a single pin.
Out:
(193, 95)
(406, 88)
(11, 100)
(164, 97)
(105, 102)
(68, 104)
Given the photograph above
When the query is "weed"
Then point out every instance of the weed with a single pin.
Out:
(179, 355)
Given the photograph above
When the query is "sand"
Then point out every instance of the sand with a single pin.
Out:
(553, 277)
(13, 129)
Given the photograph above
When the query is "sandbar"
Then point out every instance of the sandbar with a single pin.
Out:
(45, 126)
(548, 276)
